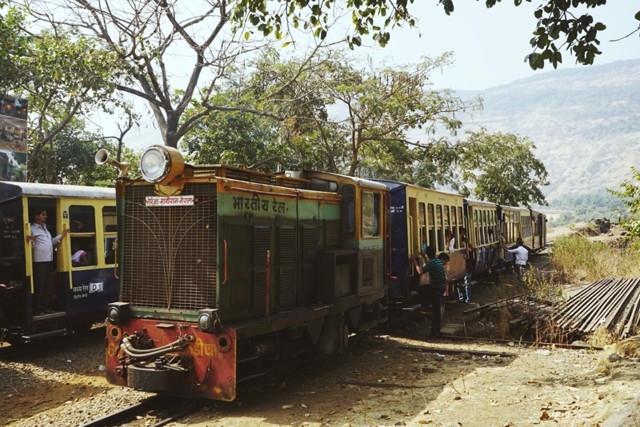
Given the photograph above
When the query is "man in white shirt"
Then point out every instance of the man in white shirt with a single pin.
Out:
(42, 252)
(522, 258)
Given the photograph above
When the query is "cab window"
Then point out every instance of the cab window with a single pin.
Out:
(370, 214)
(348, 211)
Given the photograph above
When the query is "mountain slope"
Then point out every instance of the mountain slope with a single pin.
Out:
(585, 123)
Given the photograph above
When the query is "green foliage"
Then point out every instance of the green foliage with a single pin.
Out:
(374, 110)
(367, 134)
(630, 197)
(63, 75)
(234, 138)
(368, 17)
(69, 159)
(561, 24)
(585, 207)
(13, 47)
(501, 168)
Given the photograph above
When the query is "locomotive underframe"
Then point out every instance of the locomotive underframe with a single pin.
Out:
(244, 351)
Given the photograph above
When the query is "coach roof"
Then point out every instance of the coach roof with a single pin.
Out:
(58, 190)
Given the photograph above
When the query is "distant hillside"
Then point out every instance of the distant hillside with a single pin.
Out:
(585, 123)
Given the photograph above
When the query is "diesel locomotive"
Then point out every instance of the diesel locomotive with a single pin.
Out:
(227, 274)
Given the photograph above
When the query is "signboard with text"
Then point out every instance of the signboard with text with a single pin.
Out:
(13, 138)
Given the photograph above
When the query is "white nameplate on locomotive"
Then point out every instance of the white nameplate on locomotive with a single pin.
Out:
(169, 200)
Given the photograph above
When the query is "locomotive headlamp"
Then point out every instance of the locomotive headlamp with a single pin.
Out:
(118, 312)
(160, 164)
(209, 321)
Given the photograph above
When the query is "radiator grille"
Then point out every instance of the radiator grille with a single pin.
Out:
(287, 262)
(332, 233)
(367, 272)
(169, 252)
(261, 244)
(309, 254)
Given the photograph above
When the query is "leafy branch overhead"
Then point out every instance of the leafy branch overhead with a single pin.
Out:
(367, 121)
(629, 193)
(561, 24)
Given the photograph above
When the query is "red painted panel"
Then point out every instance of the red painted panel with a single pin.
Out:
(214, 355)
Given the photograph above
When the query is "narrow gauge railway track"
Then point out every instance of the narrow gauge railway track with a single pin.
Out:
(163, 408)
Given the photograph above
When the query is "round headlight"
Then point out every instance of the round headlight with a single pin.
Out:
(114, 315)
(160, 164)
(205, 322)
(153, 164)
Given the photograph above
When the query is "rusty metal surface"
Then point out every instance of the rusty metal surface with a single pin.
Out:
(608, 303)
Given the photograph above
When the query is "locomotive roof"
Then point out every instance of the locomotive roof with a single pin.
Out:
(306, 174)
(36, 189)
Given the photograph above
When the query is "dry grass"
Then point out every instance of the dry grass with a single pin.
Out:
(576, 257)
(630, 347)
(601, 338)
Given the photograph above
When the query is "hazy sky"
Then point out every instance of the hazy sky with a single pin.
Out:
(490, 45)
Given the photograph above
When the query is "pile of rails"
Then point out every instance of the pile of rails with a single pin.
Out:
(608, 303)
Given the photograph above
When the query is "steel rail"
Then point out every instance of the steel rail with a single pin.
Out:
(626, 324)
(598, 305)
(575, 305)
(612, 305)
(125, 414)
(594, 314)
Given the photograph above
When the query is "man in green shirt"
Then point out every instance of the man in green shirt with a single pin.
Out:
(435, 289)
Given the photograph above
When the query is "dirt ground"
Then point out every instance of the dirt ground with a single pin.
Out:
(386, 378)
(395, 377)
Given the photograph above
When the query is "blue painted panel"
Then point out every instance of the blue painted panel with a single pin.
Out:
(91, 292)
(399, 286)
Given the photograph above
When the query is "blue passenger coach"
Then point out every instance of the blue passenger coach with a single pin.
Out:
(79, 293)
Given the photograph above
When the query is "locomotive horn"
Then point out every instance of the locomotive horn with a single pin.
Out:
(102, 157)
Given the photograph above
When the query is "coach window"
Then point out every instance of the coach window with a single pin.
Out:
(349, 211)
(477, 215)
(432, 229)
(440, 230)
(422, 225)
(110, 226)
(370, 214)
(83, 235)
(446, 227)
(454, 227)
(480, 226)
(485, 216)
(493, 229)
(511, 228)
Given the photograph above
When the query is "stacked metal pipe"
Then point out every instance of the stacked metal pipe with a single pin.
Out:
(608, 303)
